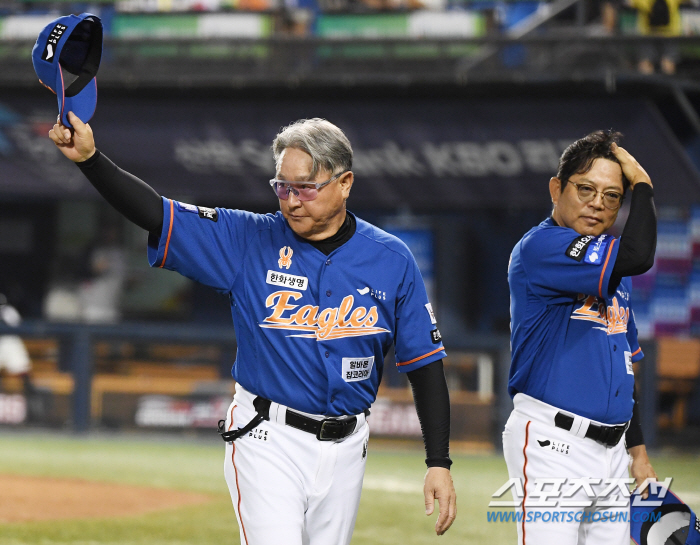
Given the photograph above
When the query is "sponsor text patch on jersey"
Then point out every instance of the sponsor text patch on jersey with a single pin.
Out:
(287, 280)
(577, 249)
(628, 363)
(184, 207)
(596, 250)
(355, 369)
(208, 213)
(435, 336)
(429, 308)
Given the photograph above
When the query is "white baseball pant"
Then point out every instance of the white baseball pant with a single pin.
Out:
(289, 488)
(534, 448)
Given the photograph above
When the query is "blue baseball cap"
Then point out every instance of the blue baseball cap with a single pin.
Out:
(662, 519)
(66, 57)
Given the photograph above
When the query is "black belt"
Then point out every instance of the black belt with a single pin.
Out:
(328, 429)
(608, 436)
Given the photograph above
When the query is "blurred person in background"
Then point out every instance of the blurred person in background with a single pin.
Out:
(89, 287)
(610, 16)
(658, 18)
(100, 294)
(14, 358)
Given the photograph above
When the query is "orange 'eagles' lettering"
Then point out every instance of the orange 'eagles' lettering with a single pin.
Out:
(326, 324)
(614, 318)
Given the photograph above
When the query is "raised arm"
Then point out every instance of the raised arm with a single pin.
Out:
(638, 240)
(129, 195)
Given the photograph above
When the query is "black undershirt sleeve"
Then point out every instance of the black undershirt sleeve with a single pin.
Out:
(432, 401)
(638, 240)
(129, 195)
(634, 436)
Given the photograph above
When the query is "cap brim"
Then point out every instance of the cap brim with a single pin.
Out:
(83, 104)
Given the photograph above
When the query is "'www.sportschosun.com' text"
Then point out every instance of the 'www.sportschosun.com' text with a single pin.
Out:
(545, 515)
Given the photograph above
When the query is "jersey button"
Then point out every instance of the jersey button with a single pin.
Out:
(614, 348)
(328, 293)
(328, 354)
(332, 399)
(328, 261)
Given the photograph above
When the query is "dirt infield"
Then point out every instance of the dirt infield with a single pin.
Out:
(25, 499)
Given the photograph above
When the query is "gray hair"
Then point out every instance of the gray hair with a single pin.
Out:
(327, 145)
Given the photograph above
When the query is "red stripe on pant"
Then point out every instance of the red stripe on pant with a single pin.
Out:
(235, 470)
(527, 436)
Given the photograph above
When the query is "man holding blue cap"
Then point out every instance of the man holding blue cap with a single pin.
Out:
(318, 297)
(66, 57)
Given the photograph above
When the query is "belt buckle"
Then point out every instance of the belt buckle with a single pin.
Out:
(610, 435)
(603, 435)
(330, 430)
(617, 435)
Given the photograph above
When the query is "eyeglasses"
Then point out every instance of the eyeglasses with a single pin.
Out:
(304, 191)
(612, 200)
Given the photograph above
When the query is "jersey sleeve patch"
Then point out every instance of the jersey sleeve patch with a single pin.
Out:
(597, 250)
(579, 247)
(589, 249)
(184, 207)
(208, 213)
(203, 212)
(429, 308)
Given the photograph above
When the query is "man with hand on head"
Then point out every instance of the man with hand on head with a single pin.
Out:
(573, 341)
(318, 297)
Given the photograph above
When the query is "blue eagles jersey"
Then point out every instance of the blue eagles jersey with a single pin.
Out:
(573, 337)
(312, 330)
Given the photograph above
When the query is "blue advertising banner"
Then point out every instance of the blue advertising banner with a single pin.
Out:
(429, 155)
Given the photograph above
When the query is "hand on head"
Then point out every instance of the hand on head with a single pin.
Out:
(78, 143)
(632, 170)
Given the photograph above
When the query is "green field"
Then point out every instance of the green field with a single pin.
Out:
(391, 511)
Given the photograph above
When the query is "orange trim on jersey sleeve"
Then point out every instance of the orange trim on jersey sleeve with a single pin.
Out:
(637, 351)
(605, 266)
(170, 232)
(420, 357)
(527, 437)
